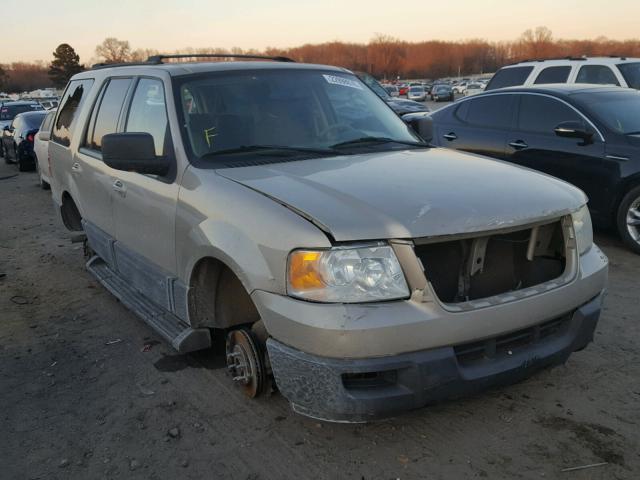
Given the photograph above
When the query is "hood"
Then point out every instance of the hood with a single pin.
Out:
(402, 106)
(410, 193)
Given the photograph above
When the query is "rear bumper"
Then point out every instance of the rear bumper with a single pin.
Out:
(336, 389)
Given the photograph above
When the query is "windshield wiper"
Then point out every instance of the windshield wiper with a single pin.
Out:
(632, 133)
(275, 148)
(376, 140)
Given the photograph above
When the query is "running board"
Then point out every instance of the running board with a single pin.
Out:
(180, 335)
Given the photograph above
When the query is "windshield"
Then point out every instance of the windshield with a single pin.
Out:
(294, 109)
(8, 112)
(619, 111)
(35, 120)
(631, 74)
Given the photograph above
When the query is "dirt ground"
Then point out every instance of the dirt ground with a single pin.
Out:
(81, 397)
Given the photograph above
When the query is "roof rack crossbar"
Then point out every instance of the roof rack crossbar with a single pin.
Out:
(158, 59)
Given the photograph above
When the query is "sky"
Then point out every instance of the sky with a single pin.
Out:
(168, 25)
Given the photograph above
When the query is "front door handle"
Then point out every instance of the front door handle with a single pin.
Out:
(119, 187)
(76, 169)
(450, 136)
(518, 144)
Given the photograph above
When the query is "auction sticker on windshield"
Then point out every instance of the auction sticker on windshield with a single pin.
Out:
(345, 82)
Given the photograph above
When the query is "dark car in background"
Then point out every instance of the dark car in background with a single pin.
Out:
(9, 110)
(587, 135)
(18, 138)
(442, 92)
(399, 105)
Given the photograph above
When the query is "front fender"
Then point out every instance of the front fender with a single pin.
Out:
(248, 232)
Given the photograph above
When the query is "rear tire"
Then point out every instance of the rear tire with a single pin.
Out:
(22, 164)
(628, 219)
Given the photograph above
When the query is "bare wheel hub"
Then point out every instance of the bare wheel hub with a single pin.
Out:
(245, 362)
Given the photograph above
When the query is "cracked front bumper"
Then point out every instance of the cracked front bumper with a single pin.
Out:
(358, 390)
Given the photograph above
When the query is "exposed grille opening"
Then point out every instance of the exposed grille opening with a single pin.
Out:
(480, 267)
(470, 353)
(362, 380)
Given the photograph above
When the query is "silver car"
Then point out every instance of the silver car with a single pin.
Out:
(287, 208)
(418, 94)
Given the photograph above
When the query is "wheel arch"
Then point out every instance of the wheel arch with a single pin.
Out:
(70, 213)
(217, 297)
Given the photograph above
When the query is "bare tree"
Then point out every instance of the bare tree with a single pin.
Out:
(113, 50)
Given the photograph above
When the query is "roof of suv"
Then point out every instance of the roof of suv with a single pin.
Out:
(581, 60)
(187, 68)
(560, 89)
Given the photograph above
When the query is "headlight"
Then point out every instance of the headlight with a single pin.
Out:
(583, 229)
(346, 275)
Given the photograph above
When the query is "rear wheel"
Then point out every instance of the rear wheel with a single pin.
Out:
(628, 219)
(43, 185)
(23, 163)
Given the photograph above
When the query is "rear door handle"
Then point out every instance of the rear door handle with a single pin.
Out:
(119, 187)
(450, 136)
(518, 144)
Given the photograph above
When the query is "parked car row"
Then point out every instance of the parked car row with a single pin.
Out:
(20, 122)
(347, 255)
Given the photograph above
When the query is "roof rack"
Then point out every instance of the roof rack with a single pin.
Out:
(98, 66)
(158, 59)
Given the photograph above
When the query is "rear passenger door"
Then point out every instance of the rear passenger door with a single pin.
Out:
(94, 178)
(534, 144)
(478, 125)
(144, 206)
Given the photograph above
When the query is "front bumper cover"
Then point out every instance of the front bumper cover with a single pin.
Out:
(316, 385)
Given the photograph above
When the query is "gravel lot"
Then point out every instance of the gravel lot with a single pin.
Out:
(88, 391)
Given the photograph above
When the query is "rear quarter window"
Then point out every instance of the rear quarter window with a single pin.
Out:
(509, 77)
(71, 106)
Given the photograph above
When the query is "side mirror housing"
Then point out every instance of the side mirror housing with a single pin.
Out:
(421, 123)
(133, 152)
(44, 136)
(574, 129)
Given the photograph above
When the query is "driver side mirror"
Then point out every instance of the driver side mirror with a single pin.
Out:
(44, 136)
(421, 123)
(574, 129)
(133, 152)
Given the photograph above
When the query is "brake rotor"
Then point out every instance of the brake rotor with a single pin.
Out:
(245, 362)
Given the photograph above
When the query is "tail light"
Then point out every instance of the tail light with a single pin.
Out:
(49, 164)
(30, 137)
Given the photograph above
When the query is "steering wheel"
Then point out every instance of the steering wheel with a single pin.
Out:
(335, 128)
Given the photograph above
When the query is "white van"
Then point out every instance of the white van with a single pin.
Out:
(620, 71)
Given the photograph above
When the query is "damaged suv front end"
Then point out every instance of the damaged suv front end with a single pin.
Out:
(459, 290)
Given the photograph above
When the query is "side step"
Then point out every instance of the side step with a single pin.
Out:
(180, 335)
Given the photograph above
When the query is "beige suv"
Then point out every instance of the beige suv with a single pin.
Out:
(288, 208)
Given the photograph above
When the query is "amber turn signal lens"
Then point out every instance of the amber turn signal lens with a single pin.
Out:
(303, 270)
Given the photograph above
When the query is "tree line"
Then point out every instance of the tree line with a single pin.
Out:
(383, 56)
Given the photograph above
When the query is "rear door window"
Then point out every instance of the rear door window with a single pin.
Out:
(539, 114)
(509, 77)
(106, 114)
(558, 74)
(492, 111)
(600, 74)
(67, 117)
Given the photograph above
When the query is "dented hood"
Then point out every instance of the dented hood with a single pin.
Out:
(410, 193)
